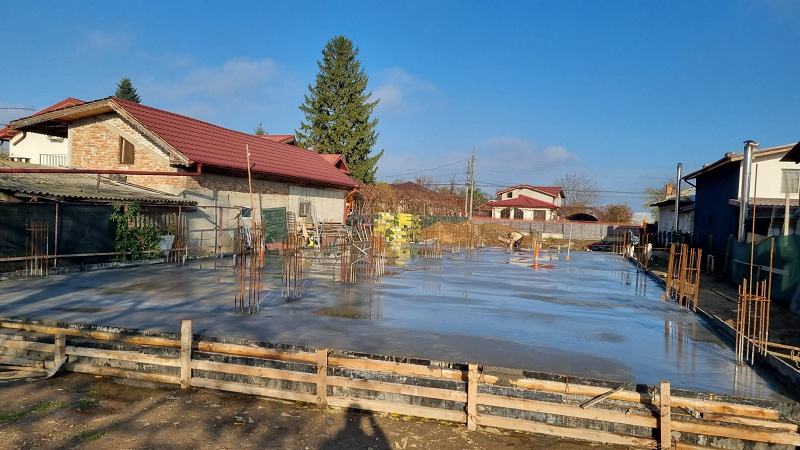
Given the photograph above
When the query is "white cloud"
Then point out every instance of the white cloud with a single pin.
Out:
(105, 41)
(232, 77)
(506, 161)
(401, 92)
(521, 152)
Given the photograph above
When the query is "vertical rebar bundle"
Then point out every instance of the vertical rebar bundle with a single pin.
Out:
(683, 275)
(248, 260)
(37, 244)
(752, 321)
(292, 268)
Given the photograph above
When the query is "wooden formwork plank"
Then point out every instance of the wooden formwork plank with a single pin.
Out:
(567, 410)
(322, 376)
(122, 373)
(27, 345)
(122, 355)
(93, 334)
(574, 433)
(264, 372)
(728, 431)
(680, 402)
(404, 369)
(397, 408)
(186, 354)
(33, 364)
(256, 352)
(253, 390)
(472, 397)
(665, 415)
(404, 389)
(792, 427)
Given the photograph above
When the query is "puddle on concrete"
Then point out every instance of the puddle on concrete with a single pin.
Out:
(592, 315)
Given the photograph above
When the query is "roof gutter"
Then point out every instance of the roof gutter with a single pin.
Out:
(197, 173)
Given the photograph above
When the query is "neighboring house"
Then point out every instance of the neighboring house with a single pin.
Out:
(198, 161)
(528, 202)
(717, 199)
(39, 148)
(666, 215)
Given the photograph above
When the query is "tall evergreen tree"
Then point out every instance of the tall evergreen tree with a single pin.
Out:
(259, 130)
(126, 91)
(338, 110)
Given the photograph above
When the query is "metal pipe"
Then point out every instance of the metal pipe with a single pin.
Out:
(744, 193)
(197, 173)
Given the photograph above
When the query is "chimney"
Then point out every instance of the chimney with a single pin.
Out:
(669, 190)
(419, 181)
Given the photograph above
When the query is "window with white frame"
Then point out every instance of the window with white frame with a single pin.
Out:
(305, 209)
(246, 212)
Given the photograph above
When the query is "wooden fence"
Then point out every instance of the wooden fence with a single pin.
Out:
(582, 408)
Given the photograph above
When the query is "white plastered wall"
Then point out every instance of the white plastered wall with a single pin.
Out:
(34, 145)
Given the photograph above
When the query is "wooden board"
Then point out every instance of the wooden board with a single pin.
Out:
(574, 433)
(123, 355)
(397, 408)
(381, 386)
(253, 390)
(256, 352)
(680, 402)
(123, 373)
(255, 371)
(567, 410)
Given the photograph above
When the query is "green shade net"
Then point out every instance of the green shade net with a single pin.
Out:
(785, 264)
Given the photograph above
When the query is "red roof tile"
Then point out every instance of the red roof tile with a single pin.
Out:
(69, 101)
(215, 146)
(337, 161)
(7, 133)
(282, 138)
(554, 191)
(522, 202)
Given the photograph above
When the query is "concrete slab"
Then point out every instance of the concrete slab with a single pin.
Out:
(591, 316)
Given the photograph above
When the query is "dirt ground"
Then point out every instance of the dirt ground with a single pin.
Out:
(490, 235)
(75, 411)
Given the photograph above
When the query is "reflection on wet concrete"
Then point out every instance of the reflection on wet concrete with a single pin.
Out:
(592, 315)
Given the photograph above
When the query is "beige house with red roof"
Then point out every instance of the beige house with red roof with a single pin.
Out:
(527, 202)
(198, 161)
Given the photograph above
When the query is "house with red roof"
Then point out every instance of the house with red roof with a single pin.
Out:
(198, 161)
(527, 202)
(39, 148)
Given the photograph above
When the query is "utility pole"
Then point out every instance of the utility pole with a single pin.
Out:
(471, 183)
(466, 193)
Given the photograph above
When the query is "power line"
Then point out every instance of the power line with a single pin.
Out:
(425, 170)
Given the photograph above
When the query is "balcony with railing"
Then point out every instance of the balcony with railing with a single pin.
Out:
(53, 160)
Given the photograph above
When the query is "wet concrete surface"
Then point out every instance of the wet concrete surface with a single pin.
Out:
(592, 315)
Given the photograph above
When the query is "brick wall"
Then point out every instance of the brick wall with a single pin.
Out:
(94, 144)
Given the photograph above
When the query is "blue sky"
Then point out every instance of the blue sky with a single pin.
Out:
(620, 91)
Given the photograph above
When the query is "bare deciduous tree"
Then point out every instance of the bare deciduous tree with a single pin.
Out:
(581, 191)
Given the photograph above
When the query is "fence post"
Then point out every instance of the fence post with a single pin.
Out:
(61, 347)
(472, 397)
(186, 354)
(664, 420)
(322, 375)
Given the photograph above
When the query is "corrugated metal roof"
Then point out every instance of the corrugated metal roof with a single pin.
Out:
(79, 187)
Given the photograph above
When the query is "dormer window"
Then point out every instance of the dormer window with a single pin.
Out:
(125, 151)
